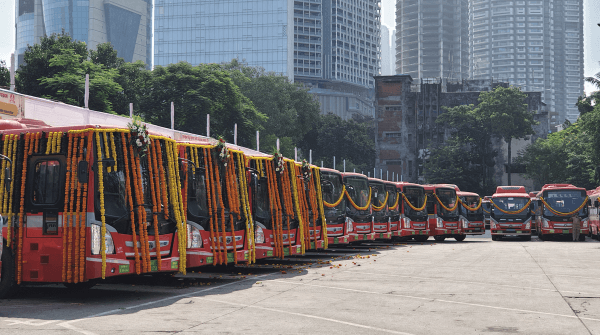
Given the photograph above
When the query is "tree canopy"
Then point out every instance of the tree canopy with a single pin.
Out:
(4, 74)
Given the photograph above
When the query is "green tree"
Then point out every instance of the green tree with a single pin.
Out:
(344, 139)
(291, 111)
(37, 59)
(106, 55)
(508, 116)
(4, 74)
(197, 91)
(136, 84)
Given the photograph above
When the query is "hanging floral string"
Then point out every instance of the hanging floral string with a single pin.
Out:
(279, 164)
(66, 216)
(321, 209)
(139, 136)
(102, 210)
(469, 208)
(364, 208)
(379, 208)
(393, 208)
(223, 151)
(131, 207)
(208, 172)
(22, 209)
(522, 209)
(412, 206)
(444, 206)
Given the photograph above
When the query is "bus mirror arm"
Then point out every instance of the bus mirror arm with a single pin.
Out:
(7, 174)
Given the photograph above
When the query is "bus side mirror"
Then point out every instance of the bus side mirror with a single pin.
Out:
(531, 207)
(82, 172)
(7, 179)
(596, 203)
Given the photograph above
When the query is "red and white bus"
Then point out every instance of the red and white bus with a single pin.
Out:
(414, 212)
(339, 227)
(88, 202)
(379, 204)
(511, 213)
(359, 212)
(558, 203)
(594, 217)
(394, 208)
(442, 208)
(471, 213)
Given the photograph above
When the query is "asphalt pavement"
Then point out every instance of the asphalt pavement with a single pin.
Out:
(477, 286)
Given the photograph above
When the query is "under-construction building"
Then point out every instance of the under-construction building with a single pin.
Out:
(406, 125)
(432, 39)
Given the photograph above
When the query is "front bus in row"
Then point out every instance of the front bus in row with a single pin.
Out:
(89, 202)
(379, 204)
(339, 227)
(471, 212)
(442, 207)
(511, 213)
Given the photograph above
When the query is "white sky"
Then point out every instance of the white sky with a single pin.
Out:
(591, 13)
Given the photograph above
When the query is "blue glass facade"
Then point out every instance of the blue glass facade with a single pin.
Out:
(219, 30)
(127, 24)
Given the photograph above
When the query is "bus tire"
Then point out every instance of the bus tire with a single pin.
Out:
(494, 238)
(421, 238)
(8, 282)
(439, 238)
(581, 238)
(527, 238)
(460, 238)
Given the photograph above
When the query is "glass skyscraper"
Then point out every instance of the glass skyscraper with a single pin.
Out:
(332, 46)
(215, 31)
(127, 24)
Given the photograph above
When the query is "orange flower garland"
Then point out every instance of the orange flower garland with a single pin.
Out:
(152, 167)
(222, 214)
(317, 181)
(22, 211)
(71, 195)
(211, 203)
(65, 229)
(78, 222)
(88, 153)
(129, 199)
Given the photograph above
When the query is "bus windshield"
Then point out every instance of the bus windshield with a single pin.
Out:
(332, 190)
(358, 189)
(416, 197)
(448, 198)
(378, 193)
(472, 202)
(392, 194)
(565, 201)
(510, 204)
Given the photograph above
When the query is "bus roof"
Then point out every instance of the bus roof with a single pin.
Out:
(467, 194)
(402, 184)
(511, 189)
(353, 174)
(549, 187)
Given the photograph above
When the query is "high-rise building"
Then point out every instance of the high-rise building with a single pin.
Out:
(127, 24)
(432, 39)
(536, 45)
(331, 46)
(393, 52)
(386, 70)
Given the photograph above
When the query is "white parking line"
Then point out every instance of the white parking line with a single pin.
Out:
(307, 316)
(436, 300)
(468, 282)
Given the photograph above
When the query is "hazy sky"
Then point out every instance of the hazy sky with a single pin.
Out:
(591, 13)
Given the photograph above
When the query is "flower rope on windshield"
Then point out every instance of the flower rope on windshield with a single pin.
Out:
(355, 205)
(444, 206)
(511, 212)
(393, 208)
(321, 209)
(469, 208)
(413, 207)
(561, 213)
(338, 201)
(376, 208)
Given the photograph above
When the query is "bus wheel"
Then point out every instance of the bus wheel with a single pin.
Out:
(527, 238)
(8, 283)
(494, 238)
(86, 285)
(581, 238)
(460, 238)
(421, 238)
(439, 238)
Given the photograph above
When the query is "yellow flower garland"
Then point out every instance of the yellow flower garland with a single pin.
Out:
(413, 207)
(512, 212)
(393, 208)
(355, 205)
(561, 213)
(338, 201)
(321, 209)
(377, 209)
(446, 208)
(469, 208)
(102, 210)
(293, 178)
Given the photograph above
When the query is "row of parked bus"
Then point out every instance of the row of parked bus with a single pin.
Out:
(83, 203)
(548, 213)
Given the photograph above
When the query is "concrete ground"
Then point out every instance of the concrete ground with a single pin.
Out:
(474, 287)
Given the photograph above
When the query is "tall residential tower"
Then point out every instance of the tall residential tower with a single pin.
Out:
(432, 39)
(534, 44)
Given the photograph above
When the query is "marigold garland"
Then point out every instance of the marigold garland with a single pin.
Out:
(413, 207)
(82, 234)
(469, 208)
(66, 216)
(22, 210)
(152, 168)
(557, 212)
(102, 210)
(444, 206)
(338, 201)
(364, 208)
(379, 208)
(211, 205)
(321, 209)
(393, 208)
(297, 209)
(513, 212)
(246, 207)
(129, 200)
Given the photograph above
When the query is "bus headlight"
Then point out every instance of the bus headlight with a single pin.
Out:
(440, 223)
(259, 235)
(194, 240)
(493, 223)
(545, 223)
(349, 225)
(528, 224)
(97, 241)
(465, 223)
(585, 223)
(406, 223)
